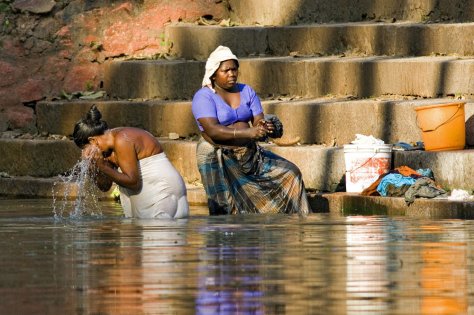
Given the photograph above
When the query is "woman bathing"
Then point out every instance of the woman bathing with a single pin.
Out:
(150, 187)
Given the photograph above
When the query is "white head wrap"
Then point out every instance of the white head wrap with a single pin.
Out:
(220, 54)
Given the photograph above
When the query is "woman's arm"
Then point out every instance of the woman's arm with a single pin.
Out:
(103, 182)
(257, 119)
(126, 158)
(219, 133)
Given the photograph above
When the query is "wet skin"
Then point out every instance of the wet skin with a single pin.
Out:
(121, 147)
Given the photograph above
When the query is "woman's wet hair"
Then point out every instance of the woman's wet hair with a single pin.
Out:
(89, 126)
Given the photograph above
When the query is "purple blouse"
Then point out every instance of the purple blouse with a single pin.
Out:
(208, 104)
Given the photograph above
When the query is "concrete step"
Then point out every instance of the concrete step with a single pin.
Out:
(362, 39)
(355, 204)
(157, 116)
(288, 12)
(330, 120)
(37, 158)
(55, 187)
(335, 203)
(323, 168)
(307, 77)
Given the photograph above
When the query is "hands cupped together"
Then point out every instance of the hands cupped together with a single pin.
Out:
(263, 128)
(91, 152)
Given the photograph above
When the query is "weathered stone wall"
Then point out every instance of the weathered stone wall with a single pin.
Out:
(51, 46)
(48, 46)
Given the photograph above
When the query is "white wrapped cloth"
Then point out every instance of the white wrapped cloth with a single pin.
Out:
(220, 54)
(163, 193)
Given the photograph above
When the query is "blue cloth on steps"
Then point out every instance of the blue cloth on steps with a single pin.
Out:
(426, 172)
(398, 180)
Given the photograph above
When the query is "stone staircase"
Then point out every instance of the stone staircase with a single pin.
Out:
(326, 82)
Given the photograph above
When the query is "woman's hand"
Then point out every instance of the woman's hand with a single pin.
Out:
(259, 131)
(238, 133)
(113, 159)
(91, 152)
(268, 125)
(98, 163)
(263, 129)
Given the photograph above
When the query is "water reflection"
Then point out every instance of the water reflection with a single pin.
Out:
(444, 274)
(230, 281)
(144, 272)
(367, 276)
(247, 264)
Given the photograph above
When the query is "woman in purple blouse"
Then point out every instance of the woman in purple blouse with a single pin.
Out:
(240, 176)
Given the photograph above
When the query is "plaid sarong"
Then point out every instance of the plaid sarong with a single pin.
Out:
(250, 179)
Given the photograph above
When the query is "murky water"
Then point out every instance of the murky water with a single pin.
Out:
(252, 264)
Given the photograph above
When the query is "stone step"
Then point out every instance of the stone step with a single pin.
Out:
(335, 203)
(307, 77)
(332, 121)
(363, 39)
(289, 12)
(323, 168)
(355, 204)
(157, 116)
(37, 158)
(55, 187)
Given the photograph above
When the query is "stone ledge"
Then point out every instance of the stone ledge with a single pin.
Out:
(328, 120)
(286, 12)
(300, 77)
(363, 39)
(323, 168)
(34, 187)
(332, 203)
(355, 204)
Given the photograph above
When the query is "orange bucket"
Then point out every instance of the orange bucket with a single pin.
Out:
(443, 126)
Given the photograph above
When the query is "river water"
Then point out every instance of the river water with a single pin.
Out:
(244, 264)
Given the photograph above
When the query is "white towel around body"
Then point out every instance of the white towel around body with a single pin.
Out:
(163, 193)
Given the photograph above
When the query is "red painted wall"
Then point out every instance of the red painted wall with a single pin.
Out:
(47, 47)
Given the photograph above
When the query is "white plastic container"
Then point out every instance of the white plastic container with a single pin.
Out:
(365, 163)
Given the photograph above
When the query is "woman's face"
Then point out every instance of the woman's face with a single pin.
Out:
(98, 142)
(226, 75)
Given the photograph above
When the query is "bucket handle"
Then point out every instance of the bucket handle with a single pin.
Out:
(443, 123)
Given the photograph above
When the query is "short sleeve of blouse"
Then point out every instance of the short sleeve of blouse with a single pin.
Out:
(203, 105)
(254, 101)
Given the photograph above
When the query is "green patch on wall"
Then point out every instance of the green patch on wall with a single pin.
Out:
(5, 6)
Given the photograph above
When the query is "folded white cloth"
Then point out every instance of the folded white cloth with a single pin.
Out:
(363, 139)
(460, 194)
(220, 54)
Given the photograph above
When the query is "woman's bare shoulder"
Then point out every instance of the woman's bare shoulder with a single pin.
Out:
(128, 132)
(144, 143)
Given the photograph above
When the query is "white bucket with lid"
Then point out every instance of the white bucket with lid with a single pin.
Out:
(365, 163)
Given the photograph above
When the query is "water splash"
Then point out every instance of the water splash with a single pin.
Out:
(81, 177)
